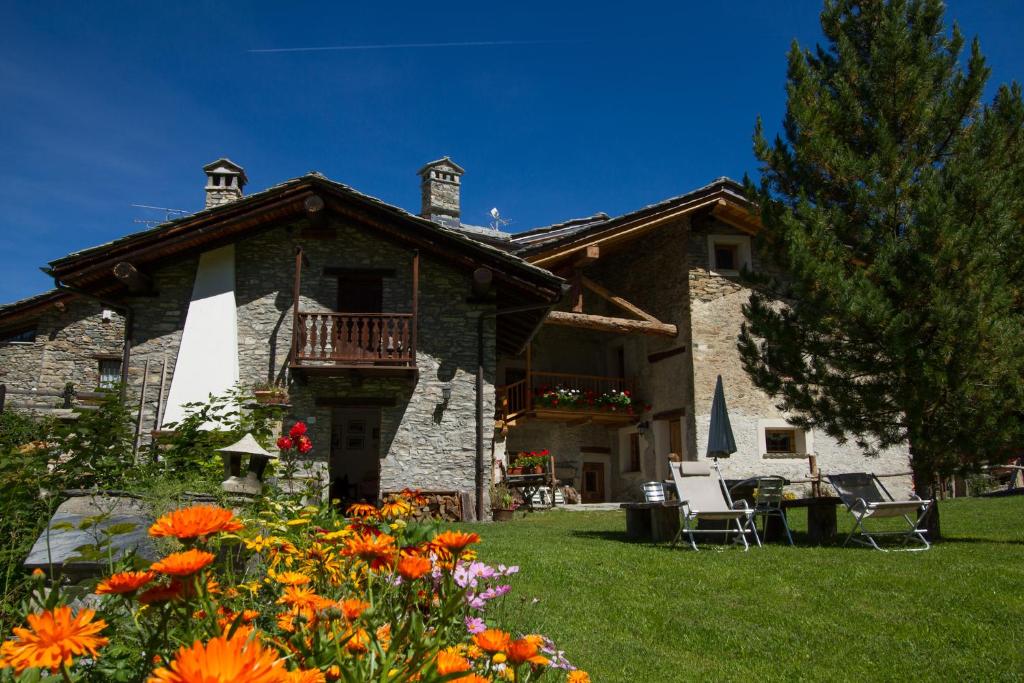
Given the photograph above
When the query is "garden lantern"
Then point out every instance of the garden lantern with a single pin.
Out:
(258, 459)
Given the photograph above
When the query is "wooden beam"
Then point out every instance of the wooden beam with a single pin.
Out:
(606, 324)
(576, 293)
(667, 353)
(617, 300)
(586, 256)
(136, 281)
(736, 216)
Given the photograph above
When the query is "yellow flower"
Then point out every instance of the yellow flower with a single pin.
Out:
(577, 676)
(297, 522)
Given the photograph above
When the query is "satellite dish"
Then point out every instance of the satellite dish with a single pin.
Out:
(494, 213)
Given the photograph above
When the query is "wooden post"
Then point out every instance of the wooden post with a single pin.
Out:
(295, 304)
(142, 405)
(3, 397)
(415, 301)
(812, 464)
(551, 476)
(528, 403)
(576, 293)
(158, 419)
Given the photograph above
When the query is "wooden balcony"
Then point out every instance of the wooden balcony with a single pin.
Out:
(342, 341)
(531, 398)
(330, 342)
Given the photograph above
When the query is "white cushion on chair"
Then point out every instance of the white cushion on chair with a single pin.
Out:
(694, 468)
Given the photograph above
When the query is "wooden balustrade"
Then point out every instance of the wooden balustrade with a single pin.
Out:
(356, 338)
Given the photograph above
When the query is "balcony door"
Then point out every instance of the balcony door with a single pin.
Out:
(359, 337)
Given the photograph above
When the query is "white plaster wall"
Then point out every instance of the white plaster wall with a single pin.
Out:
(833, 457)
(208, 356)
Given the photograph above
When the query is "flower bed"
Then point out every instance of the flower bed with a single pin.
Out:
(301, 595)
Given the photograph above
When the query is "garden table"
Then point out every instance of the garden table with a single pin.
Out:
(655, 522)
(821, 517)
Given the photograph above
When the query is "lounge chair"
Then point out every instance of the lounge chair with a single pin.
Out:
(867, 498)
(703, 497)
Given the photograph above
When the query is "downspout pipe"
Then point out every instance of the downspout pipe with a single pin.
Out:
(481, 466)
(129, 321)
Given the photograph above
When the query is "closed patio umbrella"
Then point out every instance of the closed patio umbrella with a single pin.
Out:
(721, 443)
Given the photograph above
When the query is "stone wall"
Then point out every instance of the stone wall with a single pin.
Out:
(68, 340)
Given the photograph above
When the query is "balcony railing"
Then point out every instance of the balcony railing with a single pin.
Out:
(355, 338)
(528, 395)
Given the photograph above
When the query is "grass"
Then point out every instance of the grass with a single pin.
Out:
(637, 612)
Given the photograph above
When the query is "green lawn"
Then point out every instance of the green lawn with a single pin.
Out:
(636, 612)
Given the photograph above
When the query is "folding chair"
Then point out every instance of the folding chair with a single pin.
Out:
(702, 496)
(866, 497)
(768, 503)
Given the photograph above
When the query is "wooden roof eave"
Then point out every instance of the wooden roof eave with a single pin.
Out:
(632, 227)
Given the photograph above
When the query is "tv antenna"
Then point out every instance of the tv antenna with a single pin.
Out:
(169, 214)
(497, 222)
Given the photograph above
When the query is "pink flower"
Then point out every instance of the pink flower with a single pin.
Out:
(475, 625)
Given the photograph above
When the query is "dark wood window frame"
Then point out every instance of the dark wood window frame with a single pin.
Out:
(772, 446)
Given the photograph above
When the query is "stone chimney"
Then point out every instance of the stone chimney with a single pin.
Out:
(439, 188)
(224, 182)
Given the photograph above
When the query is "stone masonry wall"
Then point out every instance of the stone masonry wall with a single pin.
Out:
(67, 343)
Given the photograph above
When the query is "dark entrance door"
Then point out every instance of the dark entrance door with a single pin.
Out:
(360, 293)
(355, 454)
(592, 490)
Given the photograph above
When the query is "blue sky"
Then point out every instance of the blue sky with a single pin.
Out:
(110, 104)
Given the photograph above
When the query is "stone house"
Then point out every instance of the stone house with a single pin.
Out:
(420, 350)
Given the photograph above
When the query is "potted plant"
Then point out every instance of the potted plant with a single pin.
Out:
(268, 393)
(503, 503)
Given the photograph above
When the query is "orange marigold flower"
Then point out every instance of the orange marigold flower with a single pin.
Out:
(195, 522)
(371, 548)
(472, 678)
(52, 639)
(455, 541)
(352, 608)
(224, 660)
(359, 642)
(300, 598)
(492, 640)
(124, 582)
(524, 650)
(450, 661)
(306, 676)
(159, 594)
(411, 568)
(384, 636)
(577, 676)
(361, 510)
(184, 563)
(291, 578)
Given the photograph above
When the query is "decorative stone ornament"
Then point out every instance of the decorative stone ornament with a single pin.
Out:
(258, 459)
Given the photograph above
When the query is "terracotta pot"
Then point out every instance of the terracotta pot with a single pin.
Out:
(270, 397)
(537, 469)
(501, 515)
(515, 470)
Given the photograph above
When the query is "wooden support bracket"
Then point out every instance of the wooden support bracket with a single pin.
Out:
(607, 324)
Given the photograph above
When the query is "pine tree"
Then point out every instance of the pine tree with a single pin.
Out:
(894, 203)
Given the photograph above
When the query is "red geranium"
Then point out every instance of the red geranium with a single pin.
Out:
(284, 443)
(297, 430)
(304, 444)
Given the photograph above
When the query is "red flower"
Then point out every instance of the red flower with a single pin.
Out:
(284, 443)
(545, 452)
(305, 445)
(297, 430)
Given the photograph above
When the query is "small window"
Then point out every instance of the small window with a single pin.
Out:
(634, 452)
(780, 440)
(22, 337)
(726, 257)
(110, 373)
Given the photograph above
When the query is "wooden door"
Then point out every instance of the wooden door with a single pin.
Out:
(355, 454)
(592, 484)
(356, 337)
